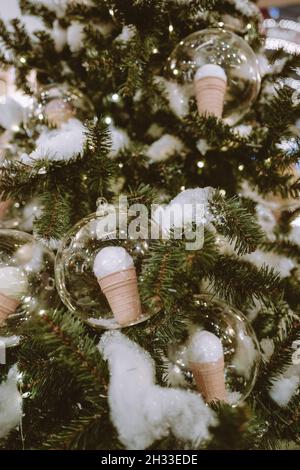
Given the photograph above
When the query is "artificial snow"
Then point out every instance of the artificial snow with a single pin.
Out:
(267, 347)
(11, 114)
(281, 264)
(75, 36)
(142, 411)
(128, 33)
(245, 355)
(119, 140)
(59, 36)
(283, 389)
(63, 143)
(164, 148)
(10, 403)
(177, 96)
(184, 209)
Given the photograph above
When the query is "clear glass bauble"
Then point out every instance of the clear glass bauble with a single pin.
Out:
(19, 215)
(54, 105)
(240, 347)
(27, 282)
(227, 50)
(79, 286)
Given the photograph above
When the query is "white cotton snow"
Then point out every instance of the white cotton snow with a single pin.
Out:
(128, 33)
(59, 36)
(245, 354)
(205, 347)
(286, 385)
(164, 148)
(59, 7)
(283, 389)
(267, 346)
(203, 146)
(189, 206)
(177, 96)
(112, 259)
(75, 36)
(63, 143)
(281, 264)
(11, 114)
(246, 7)
(10, 403)
(143, 412)
(119, 140)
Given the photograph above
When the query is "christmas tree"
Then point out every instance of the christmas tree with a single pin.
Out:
(173, 110)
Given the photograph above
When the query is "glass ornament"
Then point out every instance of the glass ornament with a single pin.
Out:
(219, 69)
(27, 282)
(54, 105)
(98, 271)
(219, 344)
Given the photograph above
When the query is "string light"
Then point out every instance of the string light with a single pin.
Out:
(171, 28)
(108, 120)
(223, 192)
(182, 188)
(22, 60)
(200, 164)
(115, 98)
(241, 167)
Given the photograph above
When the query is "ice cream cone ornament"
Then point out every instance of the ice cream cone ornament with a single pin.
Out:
(13, 286)
(210, 87)
(116, 274)
(58, 111)
(206, 361)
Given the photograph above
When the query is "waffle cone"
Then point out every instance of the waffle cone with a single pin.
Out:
(7, 307)
(210, 92)
(209, 378)
(121, 291)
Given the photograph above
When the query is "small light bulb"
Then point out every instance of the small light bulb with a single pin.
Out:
(241, 167)
(171, 28)
(115, 98)
(200, 164)
(182, 188)
(155, 50)
(108, 120)
(22, 60)
(223, 192)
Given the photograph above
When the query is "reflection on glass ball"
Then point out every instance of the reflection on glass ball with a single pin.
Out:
(98, 271)
(53, 106)
(221, 56)
(228, 334)
(27, 284)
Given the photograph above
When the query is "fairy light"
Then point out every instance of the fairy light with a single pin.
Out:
(200, 164)
(223, 192)
(241, 167)
(115, 98)
(155, 50)
(108, 120)
(182, 188)
(171, 28)
(22, 60)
